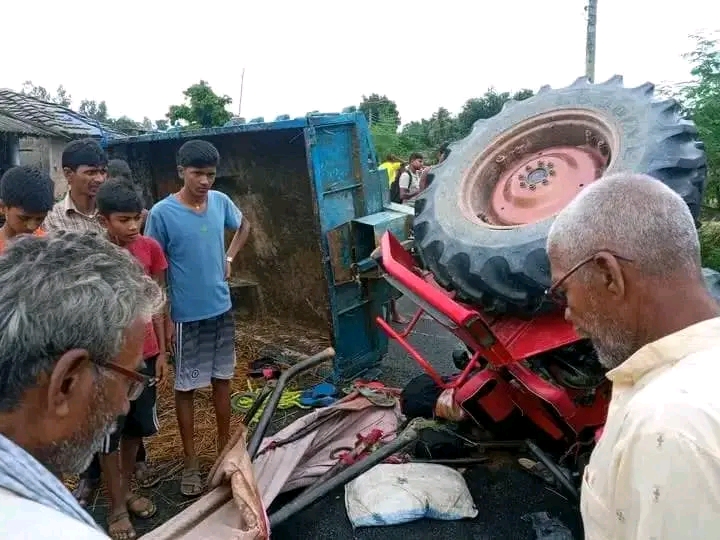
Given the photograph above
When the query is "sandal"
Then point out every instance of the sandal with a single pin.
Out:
(121, 534)
(191, 484)
(85, 491)
(145, 510)
(146, 476)
(537, 469)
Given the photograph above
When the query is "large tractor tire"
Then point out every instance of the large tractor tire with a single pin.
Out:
(482, 225)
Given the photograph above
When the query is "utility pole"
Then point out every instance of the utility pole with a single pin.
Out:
(590, 40)
(242, 83)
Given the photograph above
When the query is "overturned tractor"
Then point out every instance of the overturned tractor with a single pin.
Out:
(480, 233)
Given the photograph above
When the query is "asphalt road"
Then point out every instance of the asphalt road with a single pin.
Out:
(503, 493)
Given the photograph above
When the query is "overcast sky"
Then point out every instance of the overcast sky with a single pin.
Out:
(324, 55)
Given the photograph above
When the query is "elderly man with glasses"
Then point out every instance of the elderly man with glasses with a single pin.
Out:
(73, 314)
(625, 262)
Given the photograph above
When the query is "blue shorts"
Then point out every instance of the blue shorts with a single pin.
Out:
(204, 350)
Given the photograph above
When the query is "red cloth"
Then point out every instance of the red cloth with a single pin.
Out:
(150, 255)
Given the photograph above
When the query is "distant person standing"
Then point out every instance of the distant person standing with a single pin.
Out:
(409, 180)
(190, 226)
(426, 177)
(391, 164)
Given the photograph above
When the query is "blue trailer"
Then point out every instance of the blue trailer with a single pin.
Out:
(318, 206)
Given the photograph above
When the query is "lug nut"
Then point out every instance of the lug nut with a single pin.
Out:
(541, 164)
(523, 184)
(521, 177)
(551, 172)
(532, 187)
(545, 182)
(528, 168)
(550, 164)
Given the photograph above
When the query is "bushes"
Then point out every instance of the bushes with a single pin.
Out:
(710, 244)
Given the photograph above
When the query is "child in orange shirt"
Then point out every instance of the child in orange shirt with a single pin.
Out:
(26, 196)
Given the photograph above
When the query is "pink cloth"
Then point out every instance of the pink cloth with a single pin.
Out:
(234, 509)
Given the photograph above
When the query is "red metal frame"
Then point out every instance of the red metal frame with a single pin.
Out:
(496, 377)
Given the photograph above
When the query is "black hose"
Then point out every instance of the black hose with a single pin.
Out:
(554, 469)
(274, 399)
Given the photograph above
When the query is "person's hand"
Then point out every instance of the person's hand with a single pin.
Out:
(169, 336)
(161, 368)
(228, 269)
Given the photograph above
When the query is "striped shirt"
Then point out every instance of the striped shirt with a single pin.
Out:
(65, 216)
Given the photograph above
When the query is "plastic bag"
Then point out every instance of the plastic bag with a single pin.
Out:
(399, 493)
(548, 528)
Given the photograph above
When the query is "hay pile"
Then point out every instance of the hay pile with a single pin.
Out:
(253, 340)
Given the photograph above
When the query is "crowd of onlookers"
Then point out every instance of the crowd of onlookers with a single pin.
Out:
(408, 178)
(100, 294)
(86, 333)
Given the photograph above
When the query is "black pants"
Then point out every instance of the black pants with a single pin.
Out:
(140, 422)
(93, 472)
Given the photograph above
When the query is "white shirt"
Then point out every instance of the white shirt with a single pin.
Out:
(655, 474)
(409, 180)
(23, 519)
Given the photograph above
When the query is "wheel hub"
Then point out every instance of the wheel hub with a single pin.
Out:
(533, 170)
(538, 186)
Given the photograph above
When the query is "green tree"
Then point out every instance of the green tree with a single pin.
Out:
(162, 125)
(414, 137)
(379, 108)
(701, 99)
(61, 96)
(93, 109)
(428, 134)
(442, 127)
(385, 136)
(126, 125)
(202, 107)
(485, 107)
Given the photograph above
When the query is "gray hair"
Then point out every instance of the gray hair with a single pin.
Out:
(635, 215)
(65, 291)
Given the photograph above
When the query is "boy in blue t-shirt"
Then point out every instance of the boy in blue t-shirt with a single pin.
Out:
(190, 226)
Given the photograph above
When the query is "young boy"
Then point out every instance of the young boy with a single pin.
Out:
(26, 196)
(119, 212)
(190, 226)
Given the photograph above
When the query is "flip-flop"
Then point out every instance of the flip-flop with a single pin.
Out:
(123, 534)
(320, 395)
(150, 508)
(146, 476)
(153, 474)
(191, 484)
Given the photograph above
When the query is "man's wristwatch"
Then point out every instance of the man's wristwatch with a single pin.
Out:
(229, 259)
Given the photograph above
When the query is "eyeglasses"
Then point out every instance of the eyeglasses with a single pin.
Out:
(555, 295)
(138, 381)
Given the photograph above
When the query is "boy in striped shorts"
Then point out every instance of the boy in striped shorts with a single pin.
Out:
(190, 226)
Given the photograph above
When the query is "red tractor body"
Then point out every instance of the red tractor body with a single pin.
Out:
(513, 365)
